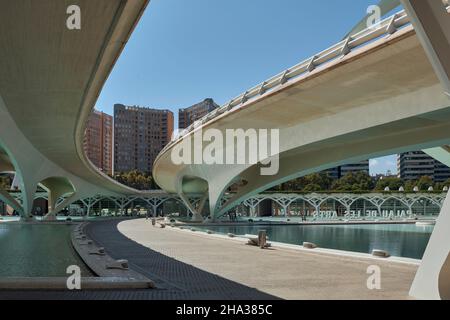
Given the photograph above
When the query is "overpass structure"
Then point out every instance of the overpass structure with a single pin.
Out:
(377, 92)
(381, 91)
(372, 94)
(50, 78)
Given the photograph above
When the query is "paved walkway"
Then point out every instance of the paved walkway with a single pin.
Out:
(194, 266)
(284, 273)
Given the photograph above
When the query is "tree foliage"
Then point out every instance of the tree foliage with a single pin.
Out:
(393, 183)
(357, 182)
(135, 179)
(5, 182)
(354, 182)
(424, 183)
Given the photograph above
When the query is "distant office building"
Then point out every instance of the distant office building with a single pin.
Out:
(362, 166)
(339, 172)
(416, 164)
(98, 141)
(139, 135)
(189, 115)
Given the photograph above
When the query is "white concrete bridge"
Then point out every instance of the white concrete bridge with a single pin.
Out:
(381, 91)
(376, 93)
(50, 78)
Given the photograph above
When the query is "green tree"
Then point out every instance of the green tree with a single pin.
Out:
(354, 182)
(313, 188)
(393, 183)
(439, 186)
(320, 181)
(315, 182)
(424, 183)
(136, 179)
(409, 185)
(5, 182)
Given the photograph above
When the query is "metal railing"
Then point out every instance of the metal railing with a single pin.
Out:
(386, 26)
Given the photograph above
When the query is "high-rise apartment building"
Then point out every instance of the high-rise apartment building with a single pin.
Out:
(98, 141)
(416, 164)
(139, 135)
(339, 172)
(189, 115)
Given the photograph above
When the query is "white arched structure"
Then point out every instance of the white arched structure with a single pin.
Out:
(51, 78)
(382, 91)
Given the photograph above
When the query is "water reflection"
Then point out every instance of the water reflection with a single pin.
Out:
(400, 240)
(32, 250)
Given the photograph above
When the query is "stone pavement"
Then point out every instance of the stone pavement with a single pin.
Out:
(288, 274)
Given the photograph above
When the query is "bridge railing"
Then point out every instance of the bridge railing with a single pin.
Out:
(386, 26)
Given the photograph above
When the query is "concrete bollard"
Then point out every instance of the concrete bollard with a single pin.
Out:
(121, 264)
(380, 253)
(309, 245)
(262, 239)
(425, 223)
(99, 252)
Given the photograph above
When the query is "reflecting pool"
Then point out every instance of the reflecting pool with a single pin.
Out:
(401, 240)
(37, 250)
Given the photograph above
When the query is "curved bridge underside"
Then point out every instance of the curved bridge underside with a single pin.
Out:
(385, 97)
(50, 79)
(378, 100)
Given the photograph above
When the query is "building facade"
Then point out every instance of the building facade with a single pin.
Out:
(98, 141)
(339, 172)
(139, 135)
(416, 164)
(189, 115)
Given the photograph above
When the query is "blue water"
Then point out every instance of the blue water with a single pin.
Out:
(401, 240)
(37, 250)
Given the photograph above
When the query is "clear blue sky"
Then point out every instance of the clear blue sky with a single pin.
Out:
(184, 51)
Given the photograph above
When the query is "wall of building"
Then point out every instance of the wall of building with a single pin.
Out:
(98, 141)
(416, 164)
(139, 135)
(189, 115)
(339, 172)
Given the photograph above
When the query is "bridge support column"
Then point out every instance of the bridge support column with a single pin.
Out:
(88, 211)
(196, 211)
(432, 24)
(28, 190)
(56, 208)
(9, 200)
(53, 197)
(432, 280)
